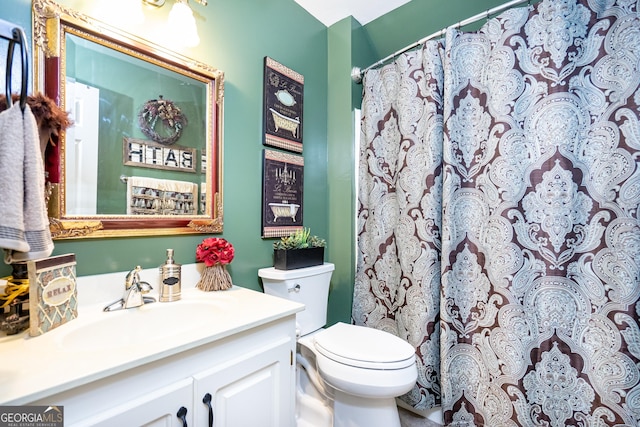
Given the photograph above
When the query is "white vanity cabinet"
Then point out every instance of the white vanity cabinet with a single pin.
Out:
(252, 390)
(139, 367)
(159, 408)
(249, 376)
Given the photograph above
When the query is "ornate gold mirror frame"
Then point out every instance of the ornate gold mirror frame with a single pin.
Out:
(52, 25)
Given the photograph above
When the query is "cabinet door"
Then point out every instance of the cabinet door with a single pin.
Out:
(156, 409)
(253, 390)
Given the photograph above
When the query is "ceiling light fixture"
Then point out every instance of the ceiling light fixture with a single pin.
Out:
(181, 21)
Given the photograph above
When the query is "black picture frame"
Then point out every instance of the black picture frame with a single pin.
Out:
(282, 193)
(283, 106)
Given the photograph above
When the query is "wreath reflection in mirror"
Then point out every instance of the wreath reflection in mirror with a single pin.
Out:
(161, 121)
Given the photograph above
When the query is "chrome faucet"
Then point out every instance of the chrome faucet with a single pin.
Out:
(133, 293)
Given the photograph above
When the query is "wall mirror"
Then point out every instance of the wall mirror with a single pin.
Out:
(144, 155)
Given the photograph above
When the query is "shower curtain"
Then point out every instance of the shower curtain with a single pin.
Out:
(498, 225)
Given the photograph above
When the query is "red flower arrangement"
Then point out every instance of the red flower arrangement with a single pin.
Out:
(215, 250)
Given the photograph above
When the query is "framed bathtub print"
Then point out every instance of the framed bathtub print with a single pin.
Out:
(283, 101)
(282, 183)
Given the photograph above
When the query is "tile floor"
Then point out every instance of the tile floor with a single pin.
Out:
(409, 419)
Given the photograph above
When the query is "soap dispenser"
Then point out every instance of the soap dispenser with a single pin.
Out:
(170, 279)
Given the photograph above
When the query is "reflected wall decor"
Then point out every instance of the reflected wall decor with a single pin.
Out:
(283, 102)
(282, 185)
(147, 154)
(117, 79)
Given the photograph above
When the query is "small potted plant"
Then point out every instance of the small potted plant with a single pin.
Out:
(298, 250)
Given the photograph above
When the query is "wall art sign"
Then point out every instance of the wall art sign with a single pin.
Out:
(147, 154)
(282, 185)
(283, 101)
(53, 297)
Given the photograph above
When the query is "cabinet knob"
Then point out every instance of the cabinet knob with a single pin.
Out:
(207, 401)
(182, 414)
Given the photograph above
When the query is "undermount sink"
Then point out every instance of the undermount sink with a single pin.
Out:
(138, 326)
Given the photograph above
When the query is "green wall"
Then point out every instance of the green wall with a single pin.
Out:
(418, 19)
(341, 212)
(235, 37)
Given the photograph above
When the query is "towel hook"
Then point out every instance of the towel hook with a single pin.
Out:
(19, 38)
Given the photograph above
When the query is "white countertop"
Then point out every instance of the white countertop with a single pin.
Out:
(89, 347)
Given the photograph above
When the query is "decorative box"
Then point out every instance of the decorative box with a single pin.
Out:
(53, 296)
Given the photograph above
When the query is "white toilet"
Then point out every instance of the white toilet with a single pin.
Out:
(347, 375)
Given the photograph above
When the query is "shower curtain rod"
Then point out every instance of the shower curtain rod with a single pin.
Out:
(357, 73)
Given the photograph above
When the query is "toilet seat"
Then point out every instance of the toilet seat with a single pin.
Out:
(364, 347)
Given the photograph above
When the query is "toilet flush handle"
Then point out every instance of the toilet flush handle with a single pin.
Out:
(295, 288)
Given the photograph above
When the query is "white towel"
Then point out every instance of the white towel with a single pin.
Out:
(161, 189)
(24, 225)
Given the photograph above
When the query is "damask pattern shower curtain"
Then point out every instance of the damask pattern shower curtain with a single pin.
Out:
(397, 284)
(498, 221)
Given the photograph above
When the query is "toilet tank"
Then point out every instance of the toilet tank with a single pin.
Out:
(309, 286)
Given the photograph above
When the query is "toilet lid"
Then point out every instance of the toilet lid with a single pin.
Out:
(364, 347)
